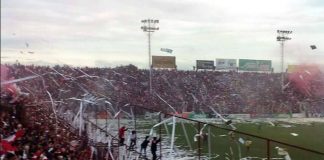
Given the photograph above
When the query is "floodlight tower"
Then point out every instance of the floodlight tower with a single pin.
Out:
(149, 26)
(282, 37)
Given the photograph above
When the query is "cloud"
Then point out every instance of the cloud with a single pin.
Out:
(81, 32)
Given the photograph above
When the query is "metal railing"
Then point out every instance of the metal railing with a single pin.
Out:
(211, 141)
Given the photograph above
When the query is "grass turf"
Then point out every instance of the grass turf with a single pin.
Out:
(309, 136)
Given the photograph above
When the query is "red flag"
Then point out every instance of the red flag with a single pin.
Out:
(20, 133)
(7, 147)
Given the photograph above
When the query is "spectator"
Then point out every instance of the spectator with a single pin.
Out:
(121, 135)
(132, 140)
(144, 145)
(154, 143)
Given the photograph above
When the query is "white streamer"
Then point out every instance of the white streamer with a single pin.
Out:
(165, 102)
(49, 94)
(173, 134)
(222, 118)
(58, 73)
(18, 80)
(158, 124)
(80, 120)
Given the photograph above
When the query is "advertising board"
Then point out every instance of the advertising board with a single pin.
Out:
(225, 64)
(164, 62)
(254, 65)
(205, 64)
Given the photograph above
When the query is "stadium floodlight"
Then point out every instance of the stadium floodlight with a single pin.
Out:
(149, 27)
(282, 37)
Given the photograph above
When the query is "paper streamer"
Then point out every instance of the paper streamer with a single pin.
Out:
(201, 130)
(186, 135)
(294, 134)
(18, 80)
(241, 140)
(117, 114)
(80, 120)
(165, 102)
(271, 123)
(109, 148)
(222, 118)
(49, 94)
(43, 81)
(58, 73)
(173, 134)
(73, 98)
(158, 124)
(239, 148)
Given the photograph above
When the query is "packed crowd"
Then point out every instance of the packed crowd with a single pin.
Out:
(227, 92)
(29, 131)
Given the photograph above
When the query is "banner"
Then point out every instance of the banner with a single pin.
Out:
(226, 64)
(254, 65)
(204, 64)
(264, 65)
(164, 61)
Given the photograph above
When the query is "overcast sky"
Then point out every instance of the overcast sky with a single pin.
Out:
(107, 33)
